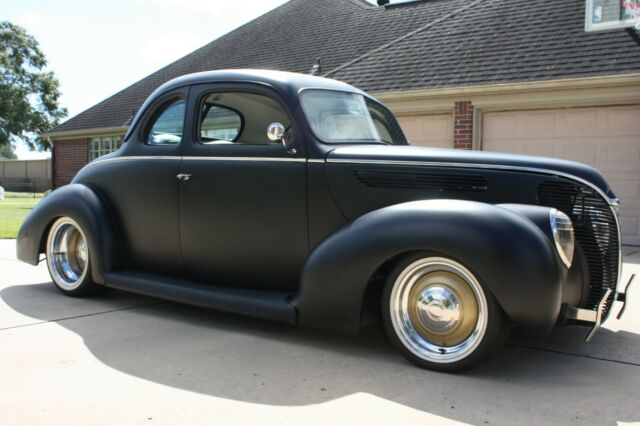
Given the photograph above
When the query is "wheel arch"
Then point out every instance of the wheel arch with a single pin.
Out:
(370, 303)
(85, 206)
(375, 286)
(509, 253)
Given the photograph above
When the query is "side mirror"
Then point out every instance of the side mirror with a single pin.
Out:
(276, 132)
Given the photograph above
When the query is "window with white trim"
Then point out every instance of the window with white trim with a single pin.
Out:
(604, 15)
(103, 146)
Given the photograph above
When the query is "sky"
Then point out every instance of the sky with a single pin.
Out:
(97, 48)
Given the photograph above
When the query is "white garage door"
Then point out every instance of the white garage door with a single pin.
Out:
(605, 137)
(434, 130)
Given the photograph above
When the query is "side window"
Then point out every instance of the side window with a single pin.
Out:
(240, 118)
(386, 124)
(168, 126)
(220, 124)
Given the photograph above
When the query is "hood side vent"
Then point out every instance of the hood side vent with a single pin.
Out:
(437, 182)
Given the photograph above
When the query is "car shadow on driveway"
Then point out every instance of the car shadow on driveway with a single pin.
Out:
(267, 363)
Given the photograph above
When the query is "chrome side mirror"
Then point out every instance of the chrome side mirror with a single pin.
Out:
(276, 132)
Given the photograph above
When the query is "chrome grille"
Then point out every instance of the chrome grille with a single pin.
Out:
(596, 231)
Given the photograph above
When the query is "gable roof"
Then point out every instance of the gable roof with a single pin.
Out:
(289, 38)
(496, 41)
(424, 44)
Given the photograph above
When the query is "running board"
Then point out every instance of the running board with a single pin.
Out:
(272, 305)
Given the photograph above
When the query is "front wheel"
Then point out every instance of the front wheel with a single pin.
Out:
(68, 259)
(437, 312)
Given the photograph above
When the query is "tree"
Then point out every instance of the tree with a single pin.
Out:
(29, 95)
(6, 152)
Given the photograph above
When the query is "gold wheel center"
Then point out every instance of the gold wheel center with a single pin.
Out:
(443, 308)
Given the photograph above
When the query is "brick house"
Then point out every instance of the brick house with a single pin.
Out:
(499, 75)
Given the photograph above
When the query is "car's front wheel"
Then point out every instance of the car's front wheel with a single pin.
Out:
(440, 316)
(68, 259)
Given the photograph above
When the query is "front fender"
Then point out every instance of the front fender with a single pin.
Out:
(508, 252)
(82, 204)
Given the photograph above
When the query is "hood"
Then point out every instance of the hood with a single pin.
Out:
(464, 158)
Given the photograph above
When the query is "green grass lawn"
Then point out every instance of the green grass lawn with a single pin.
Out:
(13, 209)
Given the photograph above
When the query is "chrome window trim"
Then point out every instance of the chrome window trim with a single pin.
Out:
(255, 159)
(177, 157)
(128, 158)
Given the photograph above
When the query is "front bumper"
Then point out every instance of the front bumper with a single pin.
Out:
(597, 317)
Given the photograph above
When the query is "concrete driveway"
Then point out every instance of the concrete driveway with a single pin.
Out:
(126, 359)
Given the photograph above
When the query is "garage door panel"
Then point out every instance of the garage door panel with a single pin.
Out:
(507, 147)
(583, 152)
(630, 226)
(538, 148)
(624, 122)
(503, 127)
(607, 138)
(539, 124)
(581, 123)
(433, 130)
(626, 151)
(628, 190)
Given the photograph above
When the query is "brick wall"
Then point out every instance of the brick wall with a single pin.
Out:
(463, 125)
(69, 156)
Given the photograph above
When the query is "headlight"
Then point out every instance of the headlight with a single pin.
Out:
(563, 235)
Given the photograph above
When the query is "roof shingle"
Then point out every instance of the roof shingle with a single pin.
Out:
(497, 41)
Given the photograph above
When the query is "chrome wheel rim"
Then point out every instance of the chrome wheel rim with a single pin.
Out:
(438, 310)
(67, 254)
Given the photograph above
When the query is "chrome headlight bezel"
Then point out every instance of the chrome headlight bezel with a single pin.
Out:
(563, 235)
(615, 204)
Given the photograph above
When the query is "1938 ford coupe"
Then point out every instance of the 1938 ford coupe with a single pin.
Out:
(298, 199)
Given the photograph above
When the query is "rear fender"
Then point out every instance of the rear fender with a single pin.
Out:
(82, 204)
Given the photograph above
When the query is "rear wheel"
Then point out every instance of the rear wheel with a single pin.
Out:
(68, 259)
(440, 316)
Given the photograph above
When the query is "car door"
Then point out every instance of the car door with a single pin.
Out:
(139, 184)
(243, 211)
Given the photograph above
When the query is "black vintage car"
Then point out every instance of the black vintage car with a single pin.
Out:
(298, 199)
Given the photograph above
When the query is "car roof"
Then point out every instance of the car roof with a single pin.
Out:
(285, 81)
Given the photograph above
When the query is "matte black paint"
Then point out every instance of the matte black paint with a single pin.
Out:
(299, 241)
(272, 305)
(250, 216)
(507, 251)
(471, 158)
(83, 204)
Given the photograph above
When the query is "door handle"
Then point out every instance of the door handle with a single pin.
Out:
(184, 176)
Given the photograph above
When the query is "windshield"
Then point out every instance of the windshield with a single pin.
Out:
(343, 117)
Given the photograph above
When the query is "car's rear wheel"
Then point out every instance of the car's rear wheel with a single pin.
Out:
(68, 259)
(440, 316)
